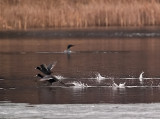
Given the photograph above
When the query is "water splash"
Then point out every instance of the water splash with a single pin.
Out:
(59, 77)
(79, 84)
(121, 85)
(99, 77)
(141, 77)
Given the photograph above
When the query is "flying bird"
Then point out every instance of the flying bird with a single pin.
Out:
(46, 69)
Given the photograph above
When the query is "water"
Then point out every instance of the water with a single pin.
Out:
(96, 62)
(79, 111)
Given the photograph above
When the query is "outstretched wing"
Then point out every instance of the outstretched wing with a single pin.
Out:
(51, 66)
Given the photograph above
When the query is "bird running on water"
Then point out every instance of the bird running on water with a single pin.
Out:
(49, 78)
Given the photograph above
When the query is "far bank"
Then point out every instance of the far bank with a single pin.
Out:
(44, 14)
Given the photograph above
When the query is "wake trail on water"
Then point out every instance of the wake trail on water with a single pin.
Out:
(115, 82)
(73, 52)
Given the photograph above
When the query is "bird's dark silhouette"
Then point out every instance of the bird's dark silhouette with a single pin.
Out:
(68, 51)
(69, 46)
(46, 69)
(49, 78)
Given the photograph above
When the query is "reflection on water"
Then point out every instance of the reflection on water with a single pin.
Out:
(119, 60)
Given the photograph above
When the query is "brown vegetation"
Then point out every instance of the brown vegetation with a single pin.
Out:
(29, 14)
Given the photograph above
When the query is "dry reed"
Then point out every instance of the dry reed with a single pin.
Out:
(30, 14)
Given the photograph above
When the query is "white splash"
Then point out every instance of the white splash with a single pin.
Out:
(59, 77)
(79, 84)
(121, 85)
(99, 77)
(68, 51)
(141, 77)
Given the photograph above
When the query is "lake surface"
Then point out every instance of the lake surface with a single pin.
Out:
(118, 58)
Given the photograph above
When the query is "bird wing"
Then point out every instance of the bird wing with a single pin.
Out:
(44, 68)
(53, 77)
(51, 66)
(44, 79)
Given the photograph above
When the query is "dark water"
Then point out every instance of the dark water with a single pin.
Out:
(121, 59)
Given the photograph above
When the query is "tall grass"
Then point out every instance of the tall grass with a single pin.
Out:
(29, 14)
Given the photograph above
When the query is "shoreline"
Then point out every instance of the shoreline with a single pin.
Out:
(94, 32)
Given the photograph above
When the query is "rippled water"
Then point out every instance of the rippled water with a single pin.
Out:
(92, 68)
(70, 111)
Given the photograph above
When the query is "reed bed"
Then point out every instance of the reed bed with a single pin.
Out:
(30, 14)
